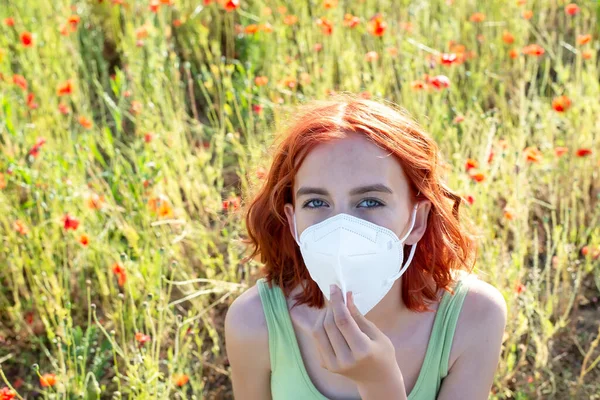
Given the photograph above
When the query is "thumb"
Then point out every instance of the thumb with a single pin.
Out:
(363, 323)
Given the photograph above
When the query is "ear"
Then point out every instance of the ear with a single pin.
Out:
(420, 222)
(288, 208)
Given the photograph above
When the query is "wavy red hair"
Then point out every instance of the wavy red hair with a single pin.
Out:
(447, 244)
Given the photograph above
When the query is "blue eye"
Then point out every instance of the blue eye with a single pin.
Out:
(372, 203)
(311, 201)
(318, 203)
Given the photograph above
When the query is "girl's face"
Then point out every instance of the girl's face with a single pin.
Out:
(356, 177)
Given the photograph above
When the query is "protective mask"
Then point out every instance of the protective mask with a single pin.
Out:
(356, 255)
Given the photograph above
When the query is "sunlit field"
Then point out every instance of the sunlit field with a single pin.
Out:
(133, 132)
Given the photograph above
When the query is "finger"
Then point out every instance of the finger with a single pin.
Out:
(345, 323)
(326, 353)
(339, 344)
(363, 323)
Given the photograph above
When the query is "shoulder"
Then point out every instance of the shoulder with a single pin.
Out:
(477, 343)
(246, 326)
(247, 346)
(483, 315)
(483, 302)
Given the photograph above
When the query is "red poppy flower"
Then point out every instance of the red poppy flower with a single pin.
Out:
(561, 104)
(7, 394)
(27, 39)
(35, 149)
(84, 239)
(148, 137)
(154, 6)
(519, 288)
(326, 26)
(64, 109)
(180, 379)
(583, 152)
(477, 17)
(142, 338)
(119, 271)
(70, 222)
(85, 122)
(48, 380)
(257, 108)
(231, 5)
(532, 154)
(533, 50)
(571, 9)
(470, 199)
(350, 20)
(439, 82)
(20, 81)
(20, 227)
(65, 88)
(418, 85)
(527, 14)
(583, 39)
(290, 19)
(73, 20)
(9, 21)
(94, 201)
(587, 54)
(448, 59)
(477, 176)
(232, 203)
(328, 4)
(471, 163)
(31, 101)
(458, 119)
(508, 37)
(2, 181)
(514, 53)
(376, 25)
(560, 151)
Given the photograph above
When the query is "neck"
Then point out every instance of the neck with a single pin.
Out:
(391, 310)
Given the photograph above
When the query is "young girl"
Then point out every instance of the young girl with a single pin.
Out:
(345, 310)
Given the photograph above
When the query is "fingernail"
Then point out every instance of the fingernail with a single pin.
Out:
(332, 289)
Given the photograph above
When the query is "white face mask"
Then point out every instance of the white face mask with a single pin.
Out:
(356, 255)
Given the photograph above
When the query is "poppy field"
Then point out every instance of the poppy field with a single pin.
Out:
(132, 132)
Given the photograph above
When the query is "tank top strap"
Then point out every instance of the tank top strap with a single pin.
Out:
(450, 311)
(277, 317)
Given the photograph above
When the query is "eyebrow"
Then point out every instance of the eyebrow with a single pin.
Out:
(378, 187)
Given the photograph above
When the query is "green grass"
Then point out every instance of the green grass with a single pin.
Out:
(186, 76)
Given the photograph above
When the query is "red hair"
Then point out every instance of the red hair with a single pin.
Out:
(447, 244)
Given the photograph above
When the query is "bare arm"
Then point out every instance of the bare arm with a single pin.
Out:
(247, 346)
(482, 322)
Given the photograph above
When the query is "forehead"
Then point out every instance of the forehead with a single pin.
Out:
(350, 162)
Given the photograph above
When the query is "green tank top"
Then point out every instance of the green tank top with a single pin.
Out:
(289, 378)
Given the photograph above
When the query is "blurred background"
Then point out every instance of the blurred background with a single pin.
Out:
(133, 131)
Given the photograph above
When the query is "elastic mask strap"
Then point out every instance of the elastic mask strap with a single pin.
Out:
(296, 230)
(412, 250)
(412, 224)
(410, 257)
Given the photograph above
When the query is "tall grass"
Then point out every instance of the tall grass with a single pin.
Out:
(131, 132)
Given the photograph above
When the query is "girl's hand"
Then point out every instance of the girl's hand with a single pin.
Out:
(352, 346)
